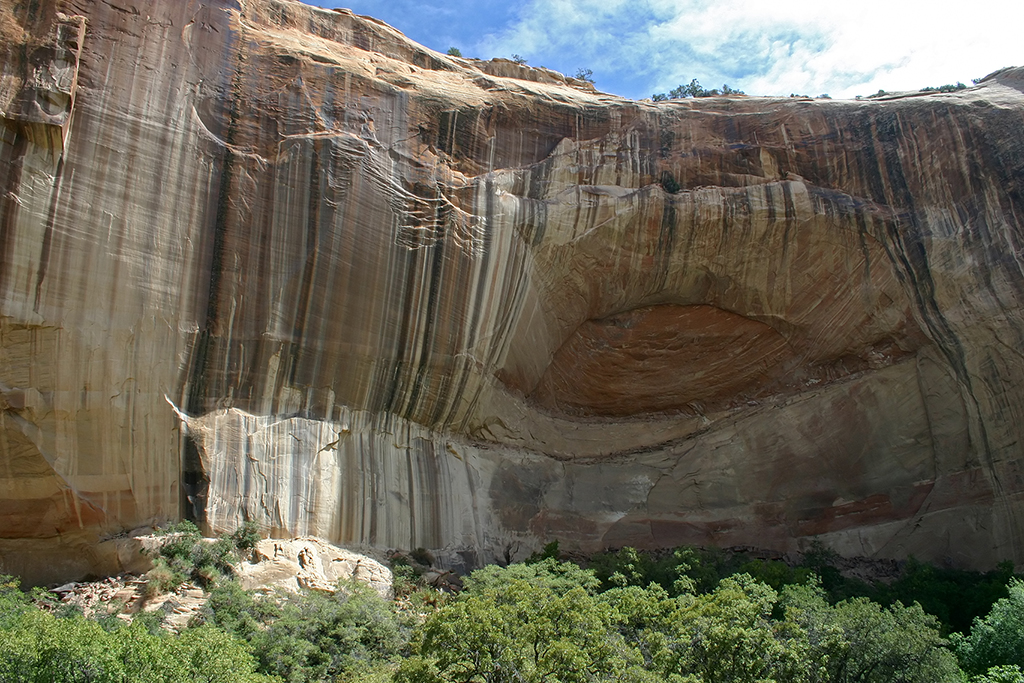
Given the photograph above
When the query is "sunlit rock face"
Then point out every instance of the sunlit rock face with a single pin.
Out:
(264, 261)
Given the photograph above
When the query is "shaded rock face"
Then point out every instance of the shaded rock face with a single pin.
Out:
(267, 261)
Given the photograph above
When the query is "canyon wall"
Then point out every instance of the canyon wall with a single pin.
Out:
(264, 261)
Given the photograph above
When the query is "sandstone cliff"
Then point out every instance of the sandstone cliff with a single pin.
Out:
(263, 260)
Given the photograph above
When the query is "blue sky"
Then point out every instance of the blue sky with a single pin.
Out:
(764, 47)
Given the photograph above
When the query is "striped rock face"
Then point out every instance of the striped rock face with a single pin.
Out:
(260, 260)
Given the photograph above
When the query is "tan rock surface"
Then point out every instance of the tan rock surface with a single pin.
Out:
(268, 261)
(310, 563)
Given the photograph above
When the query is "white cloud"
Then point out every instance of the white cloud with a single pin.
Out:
(768, 47)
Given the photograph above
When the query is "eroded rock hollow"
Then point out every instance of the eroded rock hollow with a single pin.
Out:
(264, 261)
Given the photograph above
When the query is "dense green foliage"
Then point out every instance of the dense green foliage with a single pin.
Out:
(516, 629)
(954, 596)
(949, 87)
(186, 556)
(328, 637)
(547, 622)
(684, 616)
(859, 640)
(38, 647)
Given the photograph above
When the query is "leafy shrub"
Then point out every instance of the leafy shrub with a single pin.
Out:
(321, 637)
(686, 616)
(625, 567)
(212, 655)
(454, 52)
(526, 623)
(161, 578)
(955, 596)
(669, 183)
(694, 89)
(41, 647)
(180, 539)
(584, 75)
(186, 556)
(405, 579)
(246, 536)
(13, 601)
(949, 87)
(237, 611)
(550, 551)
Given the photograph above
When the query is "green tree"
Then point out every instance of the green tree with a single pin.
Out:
(695, 89)
(998, 638)
(858, 640)
(684, 570)
(728, 636)
(549, 573)
(41, 648)
(237, 611)
(146, 656)
(646, 620)
(776, 573)
(586, 75)
(516, 626)
(210, 655)
(1000, 674)
(321, 637)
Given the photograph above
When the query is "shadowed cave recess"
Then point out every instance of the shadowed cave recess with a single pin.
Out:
(262, 261)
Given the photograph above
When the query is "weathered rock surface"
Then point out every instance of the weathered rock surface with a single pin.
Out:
(259, 259)
(312, 564)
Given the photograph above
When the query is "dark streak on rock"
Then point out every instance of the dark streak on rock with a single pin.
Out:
(44, 254)
(9, 201)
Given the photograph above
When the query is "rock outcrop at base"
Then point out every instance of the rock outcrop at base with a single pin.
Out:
(273, 569)
(309, 564)
(261, 260)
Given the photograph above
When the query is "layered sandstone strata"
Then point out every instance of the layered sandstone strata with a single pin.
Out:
(260, 260)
